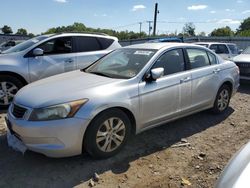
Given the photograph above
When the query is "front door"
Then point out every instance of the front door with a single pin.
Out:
(164, 98)
(57, 58)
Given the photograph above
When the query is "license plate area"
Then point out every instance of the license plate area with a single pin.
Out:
(9, 125)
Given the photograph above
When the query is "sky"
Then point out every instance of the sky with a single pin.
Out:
(39, 15)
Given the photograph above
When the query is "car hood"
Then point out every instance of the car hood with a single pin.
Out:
(63, 88)
(237, 172)
(242, 58)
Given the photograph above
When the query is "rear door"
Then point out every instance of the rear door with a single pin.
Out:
(205, 77)
(88, 50)
(57, 58)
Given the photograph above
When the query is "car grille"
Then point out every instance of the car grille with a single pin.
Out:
(18, 111)
(244, 68)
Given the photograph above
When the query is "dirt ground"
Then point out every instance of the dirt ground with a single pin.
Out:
(149, 159)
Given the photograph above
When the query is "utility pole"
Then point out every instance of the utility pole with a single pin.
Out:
(155, 18)
(140, 27)
(149, 27)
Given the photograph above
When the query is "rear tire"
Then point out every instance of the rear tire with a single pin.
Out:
(9, 86)
(222, 100)
(107, 134)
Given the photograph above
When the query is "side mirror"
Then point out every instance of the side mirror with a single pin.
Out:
(240, 51)
(37, 52)
(157, 73)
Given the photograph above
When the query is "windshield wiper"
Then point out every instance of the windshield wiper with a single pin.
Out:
(100, 74)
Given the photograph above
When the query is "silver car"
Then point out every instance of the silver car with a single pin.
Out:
(130, 90)
(47, 55)
(243, 62)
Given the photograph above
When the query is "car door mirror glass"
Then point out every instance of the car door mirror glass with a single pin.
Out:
(157, 73)
(37, 52)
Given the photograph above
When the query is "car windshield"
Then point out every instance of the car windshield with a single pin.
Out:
(25, 45)
(246, 51)
(233, 48)
(123, 63)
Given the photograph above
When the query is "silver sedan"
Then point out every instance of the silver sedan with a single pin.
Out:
(128, 91)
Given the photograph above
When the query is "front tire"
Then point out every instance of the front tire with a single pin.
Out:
(9, 86)
(107, 134)
(222, 100)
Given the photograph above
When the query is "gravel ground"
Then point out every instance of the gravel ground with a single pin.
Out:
(149, 160)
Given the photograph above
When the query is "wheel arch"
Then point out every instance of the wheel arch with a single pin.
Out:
(123, 109)
(229, 84)
(18, 76)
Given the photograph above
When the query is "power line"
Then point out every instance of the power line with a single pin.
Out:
(122, 26)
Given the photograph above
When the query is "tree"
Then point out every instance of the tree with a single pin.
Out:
(6, 29)
(21, 31)
(189, 29)
(244, 28)
(79, 27)
(245, 25)
(202, 34)
(222, 32)
(31, 35)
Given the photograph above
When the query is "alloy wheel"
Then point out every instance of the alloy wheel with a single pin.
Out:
(110, 134)
(7, 92)
(223, 99)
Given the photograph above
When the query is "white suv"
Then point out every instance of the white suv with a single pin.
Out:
(48, 55)
(225, 50)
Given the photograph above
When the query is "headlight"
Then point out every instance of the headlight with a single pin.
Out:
(55, 112)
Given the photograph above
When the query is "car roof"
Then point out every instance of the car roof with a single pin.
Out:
(159, 45)
(86, 34)
(213, 43)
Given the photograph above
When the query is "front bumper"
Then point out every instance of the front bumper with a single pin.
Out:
(57, 138)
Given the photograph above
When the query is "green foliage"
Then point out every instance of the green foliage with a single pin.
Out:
(245, 33)
(79, 27)
(222, 32)
(22, 31)
(245, 25)
(6, 29)
(244, 28)
(189, 29)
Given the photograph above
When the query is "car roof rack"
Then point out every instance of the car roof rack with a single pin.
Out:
(94, 33)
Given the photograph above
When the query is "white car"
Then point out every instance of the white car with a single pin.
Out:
(48, 55)
(236, 174)
(243, 62)
(225, 50)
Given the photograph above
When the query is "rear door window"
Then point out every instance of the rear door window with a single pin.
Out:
(212, 58)
(105, 43)
(87, 44)
(197, 58)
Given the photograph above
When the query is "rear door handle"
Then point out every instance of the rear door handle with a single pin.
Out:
(217, 70)
(69, 61)
(185, 79)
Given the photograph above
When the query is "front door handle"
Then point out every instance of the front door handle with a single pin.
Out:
(69, 61)
(217, 70)
(185, 79)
